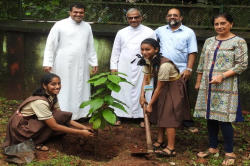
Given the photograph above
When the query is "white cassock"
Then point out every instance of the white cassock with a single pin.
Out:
(126, 45)
(69, 51)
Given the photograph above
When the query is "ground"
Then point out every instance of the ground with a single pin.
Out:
(115, 149)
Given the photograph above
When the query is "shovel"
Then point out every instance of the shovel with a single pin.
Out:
(150, 148)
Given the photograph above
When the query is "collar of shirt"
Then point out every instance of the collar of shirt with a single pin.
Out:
(50, 96)
(136, 28)
(148, 61)
(179, 29)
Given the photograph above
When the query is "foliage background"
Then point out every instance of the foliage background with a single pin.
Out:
(197, 13)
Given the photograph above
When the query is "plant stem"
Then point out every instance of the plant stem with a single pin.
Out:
(110, 130)
(96, 143)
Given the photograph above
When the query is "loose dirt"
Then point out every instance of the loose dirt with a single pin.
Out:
(115, 149)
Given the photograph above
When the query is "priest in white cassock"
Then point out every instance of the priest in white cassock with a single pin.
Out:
(69, 51)
(126, 45)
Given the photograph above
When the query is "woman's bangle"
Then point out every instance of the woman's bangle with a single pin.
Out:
(223, 76)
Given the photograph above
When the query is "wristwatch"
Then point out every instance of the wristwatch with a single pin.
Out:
(189, 69)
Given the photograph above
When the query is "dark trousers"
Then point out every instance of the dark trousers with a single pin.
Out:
(227, 132)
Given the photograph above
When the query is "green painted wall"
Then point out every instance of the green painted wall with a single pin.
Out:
(34, 44)
(3, 64)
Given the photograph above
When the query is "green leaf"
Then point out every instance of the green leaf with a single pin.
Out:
(95, 116)
(114, 78)
(97, 103)
(97, 123)
(124, 80)
(117, 105)
(109, 116)
(55, 2)
(120, 102)
(98, 92)
(109, 99)
(100, 81)
(103, 124)
(48, 8)
(119, 73)
(90, 112)
(217, 154)
(85, 103)
(114, 87)
(92, 80)
(99, 75)
(103, 74)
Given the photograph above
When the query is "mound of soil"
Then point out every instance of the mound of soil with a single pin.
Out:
(124, 140)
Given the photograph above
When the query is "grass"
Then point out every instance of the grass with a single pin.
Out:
(59, 159)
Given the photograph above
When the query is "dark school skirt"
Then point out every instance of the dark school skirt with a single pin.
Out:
(172, 106)
(20, 129)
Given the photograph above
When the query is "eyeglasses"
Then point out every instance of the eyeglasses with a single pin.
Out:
(131, 18)
(174, 15)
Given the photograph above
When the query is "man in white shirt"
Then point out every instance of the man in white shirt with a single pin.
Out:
(126, 45)
(69, 51)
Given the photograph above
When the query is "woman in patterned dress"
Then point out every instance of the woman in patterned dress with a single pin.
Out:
(224, 57)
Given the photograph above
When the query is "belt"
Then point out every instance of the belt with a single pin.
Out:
(29, 117)
(25, 117)
(175, 78)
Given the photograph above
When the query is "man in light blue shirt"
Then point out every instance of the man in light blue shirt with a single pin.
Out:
(178, 43)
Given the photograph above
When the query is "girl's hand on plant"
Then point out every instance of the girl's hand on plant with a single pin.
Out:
(149, 109)
(87, 133)
(89, 129)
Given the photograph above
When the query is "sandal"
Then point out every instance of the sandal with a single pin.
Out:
(142, 124)
(206, 153)
(161, 145)
(164, 153)
(193, 129)
(229, 160)
(118, 122)
(41, 147)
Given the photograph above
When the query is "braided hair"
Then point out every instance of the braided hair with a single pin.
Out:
(154, 43)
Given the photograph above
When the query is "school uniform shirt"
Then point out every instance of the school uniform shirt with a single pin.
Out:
(167, 70)
(40, 108)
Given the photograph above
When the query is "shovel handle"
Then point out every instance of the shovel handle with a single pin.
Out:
(147, 130)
